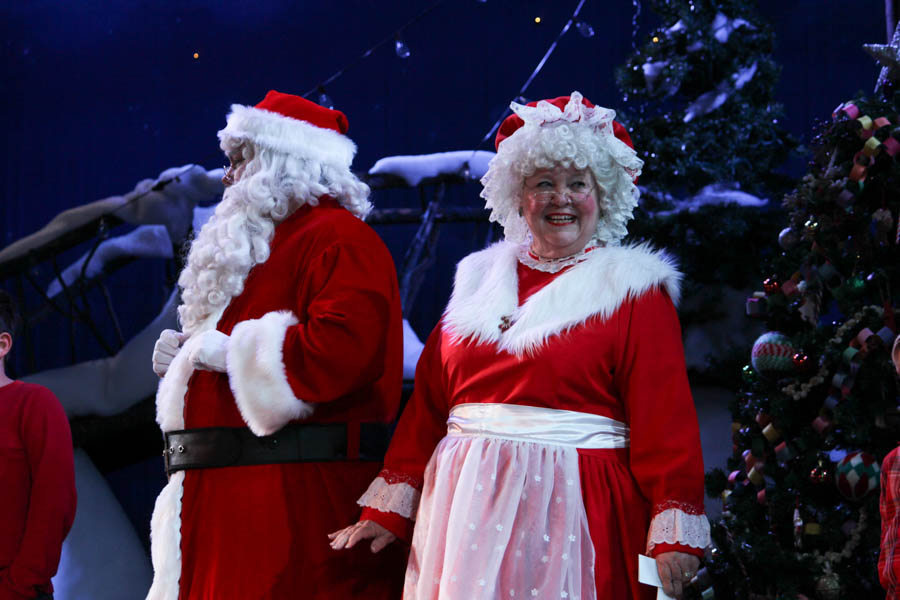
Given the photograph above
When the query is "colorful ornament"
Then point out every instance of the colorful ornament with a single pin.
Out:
(771, 285)
(828, 587)
(772, 354)
(857, 474)
(821, 472)
(788, 238)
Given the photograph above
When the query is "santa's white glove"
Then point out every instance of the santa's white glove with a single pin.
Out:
(209, 349)
(167, 346)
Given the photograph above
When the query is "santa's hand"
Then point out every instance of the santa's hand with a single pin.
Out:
(167, 346)
(208, 351)
(349, 536)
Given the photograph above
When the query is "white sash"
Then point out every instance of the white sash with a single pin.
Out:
(540, 425)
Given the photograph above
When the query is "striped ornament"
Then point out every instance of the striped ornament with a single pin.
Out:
(772, 354)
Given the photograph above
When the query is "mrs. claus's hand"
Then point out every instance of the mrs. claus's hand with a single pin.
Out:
(363, 530)
(676, 570)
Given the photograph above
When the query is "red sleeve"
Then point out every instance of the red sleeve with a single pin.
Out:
(888, 557)
(51, 508)
(666, 457)
(422, 425)
(340, 346)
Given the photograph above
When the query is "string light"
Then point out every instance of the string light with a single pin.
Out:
(324, 99)
(520, 98)
(196, 55)
(401, 48)
(585, 29)
(367, 53)
(537, 20)
(655, 39)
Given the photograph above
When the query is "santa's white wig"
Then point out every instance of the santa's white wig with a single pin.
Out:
(272, 185)
(578, 136)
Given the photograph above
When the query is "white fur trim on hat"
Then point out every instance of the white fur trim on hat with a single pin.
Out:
(292, 136)
(257, 375)
(486, 291)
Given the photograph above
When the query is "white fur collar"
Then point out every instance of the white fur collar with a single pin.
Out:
(486, 290)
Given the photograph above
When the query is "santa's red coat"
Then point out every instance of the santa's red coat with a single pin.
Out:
(316, 333)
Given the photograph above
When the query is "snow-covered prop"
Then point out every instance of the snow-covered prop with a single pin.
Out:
(146, 241)
(413, 170)
(102, 558)
(714, 194)
(168, 200)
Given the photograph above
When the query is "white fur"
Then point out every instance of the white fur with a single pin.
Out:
(486, 289)
(291, 136)
(165, 538)
(256, 373)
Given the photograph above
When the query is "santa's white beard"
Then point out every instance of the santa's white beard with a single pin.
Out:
(235, 239)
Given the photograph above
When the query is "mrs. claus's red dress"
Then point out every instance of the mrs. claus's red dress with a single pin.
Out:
(551, 437)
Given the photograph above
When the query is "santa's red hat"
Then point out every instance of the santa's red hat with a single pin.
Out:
(513, 122)
(293, 125)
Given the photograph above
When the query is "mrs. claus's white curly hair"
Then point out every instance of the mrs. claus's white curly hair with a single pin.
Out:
(577, 136)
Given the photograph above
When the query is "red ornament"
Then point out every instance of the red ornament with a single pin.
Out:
(771, 286)
(800, 360)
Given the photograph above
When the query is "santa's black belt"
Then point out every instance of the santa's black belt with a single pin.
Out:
(215, 447)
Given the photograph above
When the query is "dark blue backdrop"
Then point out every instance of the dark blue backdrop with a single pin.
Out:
(98, 95)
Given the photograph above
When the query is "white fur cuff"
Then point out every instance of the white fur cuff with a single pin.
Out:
(257, 376)
(674, 526)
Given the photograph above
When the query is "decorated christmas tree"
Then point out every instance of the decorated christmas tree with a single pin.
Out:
(817, 410)
(700, 98)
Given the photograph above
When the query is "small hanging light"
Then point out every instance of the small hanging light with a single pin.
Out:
(324, 99)
(585, 29)
(401, 48)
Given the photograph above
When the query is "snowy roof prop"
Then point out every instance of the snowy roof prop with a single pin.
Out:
(416, 169)
(168, 200)
(713, 194)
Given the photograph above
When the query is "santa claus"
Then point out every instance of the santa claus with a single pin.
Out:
(276, 393)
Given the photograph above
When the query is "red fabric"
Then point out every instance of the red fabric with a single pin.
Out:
(260, 532)
(399, 526)
(513, 122)
(889, 557)
(629, 368)
(302, 109)
(37, 479)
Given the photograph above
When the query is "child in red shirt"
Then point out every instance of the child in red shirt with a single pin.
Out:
(37, 478)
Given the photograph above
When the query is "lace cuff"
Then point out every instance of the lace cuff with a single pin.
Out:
(399, 497)
(675, 526)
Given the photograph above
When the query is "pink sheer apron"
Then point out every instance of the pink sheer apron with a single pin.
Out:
(501, 514)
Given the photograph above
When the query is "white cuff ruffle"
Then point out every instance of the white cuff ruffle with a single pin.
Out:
(400, 498)
(674, 526)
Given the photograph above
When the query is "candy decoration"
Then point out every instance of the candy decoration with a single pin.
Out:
(771, 434)
(784, 453)
(772, 354)
(857, 474)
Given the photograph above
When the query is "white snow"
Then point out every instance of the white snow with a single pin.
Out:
(713, 194)
(108, 386)
(413, 169)
(102, 557)
(170, 206)
(146, 241)
(412, 349)
(723, 26)
(710, 101)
